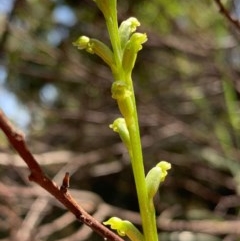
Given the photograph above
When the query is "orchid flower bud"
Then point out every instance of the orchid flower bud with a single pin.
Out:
(125, 228)
(119, 126)
(126, 28)
(132, 47)
(155, 176)
(94, 46)
(123, 95)
(165, 166)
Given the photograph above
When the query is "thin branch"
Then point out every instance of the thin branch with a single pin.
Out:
(227, 15)
(17, 140)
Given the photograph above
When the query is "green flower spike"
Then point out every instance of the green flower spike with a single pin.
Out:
(123, 95)
(155, 176)
(133, 45)
(125, 228)
(125, 44)
(94, 46)
(119, 126)
(126, 28)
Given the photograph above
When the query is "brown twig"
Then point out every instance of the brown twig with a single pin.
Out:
(17, 140)
(65, 183)
(227, 15)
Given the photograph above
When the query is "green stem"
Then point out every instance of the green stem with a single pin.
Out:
(146, 209)
(112, 26)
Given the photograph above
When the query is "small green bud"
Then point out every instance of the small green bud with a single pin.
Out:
(120, 90)
(123, 95)
(94, 46)
(133, 45)
(119, 126)
(126, 28)
(165, 166)
(124, 228)
(83, 42)
(155, 176)
(153, 180)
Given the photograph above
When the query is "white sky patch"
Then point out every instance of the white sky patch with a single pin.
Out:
(55, 36)
(13, 109)
(64, 15)
(6, 6)
(11, 105)
(48, 94)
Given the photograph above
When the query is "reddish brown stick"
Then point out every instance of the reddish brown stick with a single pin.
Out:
(227, 15)
(17, 140)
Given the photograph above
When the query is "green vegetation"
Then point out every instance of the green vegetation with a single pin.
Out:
(126, 43)
(187, 95)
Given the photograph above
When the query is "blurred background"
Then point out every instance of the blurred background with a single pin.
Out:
(187, 88)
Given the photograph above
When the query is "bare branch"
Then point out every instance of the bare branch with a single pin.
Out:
(227, 15)
(17, 140)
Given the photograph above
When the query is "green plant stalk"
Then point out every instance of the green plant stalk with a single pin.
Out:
(115, 40)
(146, 210)
(112, 26)
(147, 214)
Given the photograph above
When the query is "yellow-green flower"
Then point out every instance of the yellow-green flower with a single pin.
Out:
(126, 28)
(124, 228)
(94, 46)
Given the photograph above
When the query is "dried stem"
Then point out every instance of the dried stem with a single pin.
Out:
(17, 140)
(227, 15)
